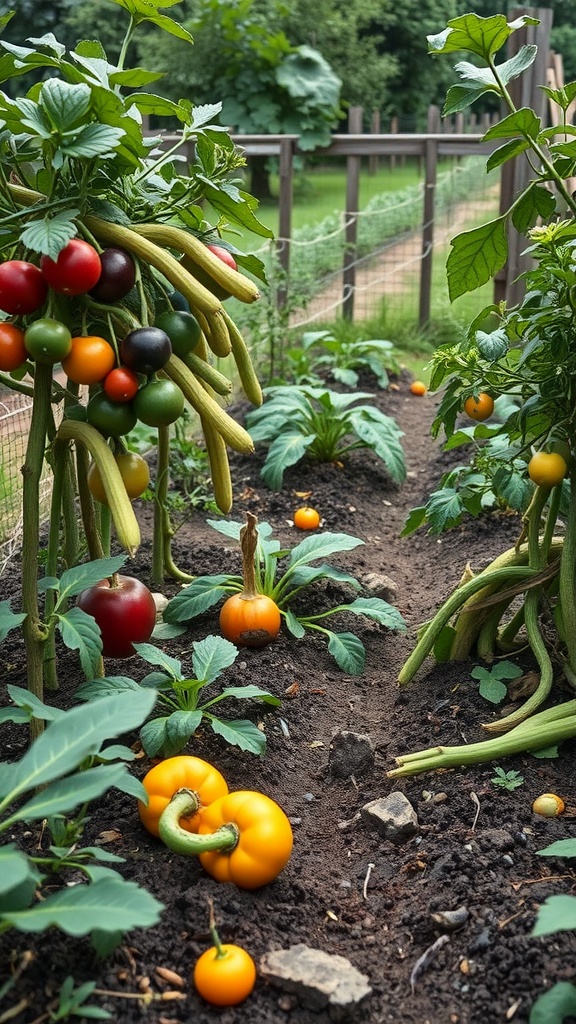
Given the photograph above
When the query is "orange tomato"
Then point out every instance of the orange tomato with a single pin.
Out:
(167, 777)
(250, 621)
(13, 352)
(90, 360)
(418, 387)
(264, 839)
(224, 976)
(479, 408)
(546, 469)
(306, 518)
(548, 805)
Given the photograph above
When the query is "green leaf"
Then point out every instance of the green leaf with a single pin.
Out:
(555, 1005)
(249, 692)
(348, 652)
(492, 346)
(79, 733)
(535, 202)
(31, 703)
(378, 610)
(74, 580)
(522, 123)
(476, 256)
(153, 734)
(286, 450)
(444, 509)
(473, 34)
(179, 727)
(94, 140)
(490, 687)
(460, 97)
(155, 656)
(240, 733)
(415, 519)
(107, 686)
(557, 914)
(561, 848)
(81, 633)
(382, 435)
(321, 545)
(211, 656)
(197, 597)
(66, 794)
(506, 152)
(294, 625)
(9, 620)
(50, 234)
(66, 105)
(15, 868)
(110, 904)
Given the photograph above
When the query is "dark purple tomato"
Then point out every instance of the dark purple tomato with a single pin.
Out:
(117, 276)
(146, 350)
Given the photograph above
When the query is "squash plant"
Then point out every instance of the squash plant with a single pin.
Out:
(525, 353)
(283, 575)
(301, 421)
(103, 232)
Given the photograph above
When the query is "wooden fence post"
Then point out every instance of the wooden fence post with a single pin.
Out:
(351, 217)
(431, 164)
(285, 197)
(375, 128)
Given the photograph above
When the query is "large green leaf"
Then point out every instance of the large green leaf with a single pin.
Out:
(8, 619)
(286, 450)
(248, 692)
(476, 256)
(557, 914)
(522, 123)
(240, 733)
(383, 438)
(348, 652)
(198, 596)
(156, 656)
(50, 234)
(536, 201)
(554, 1006)
(74, 580)
(74, 736)
(65, 104)
(15, 868)
(81, 633)
(378, 610)
(66, 794)
(211, 656)
(473, 34)
(321, 545)
(110, 904)
(561, 848)
(179, 727)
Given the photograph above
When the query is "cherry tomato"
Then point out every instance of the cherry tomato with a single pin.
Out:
(224, 255)
(125, 611)
(117, 276)
(418, 387)
(112, 419)
(549, 805)
(90, 359)
(181, 772)
(306, 518)
(182, 328)
(22, 287)
(134, 471)
(47, 341)
(159, 403)
(546, 469)
(224, 976)
(146, 349)
(479, 408)
(13, 351)
(121, 384)
(76, 270)
(250, 621)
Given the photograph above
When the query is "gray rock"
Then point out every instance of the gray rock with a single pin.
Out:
(351, 753)
(380, 585)
(392, 816)
(320, 980)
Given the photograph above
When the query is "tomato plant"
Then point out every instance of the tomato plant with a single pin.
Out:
(145, 350)
(134, 471)
(22, 287)
(47, 341)
(121, 384)
(124, 610)
(479, 407)
(89, 360)
(13, 351)
(306, 518)
(117, 275)
(75, 270)
(173, 773)
(225, 974)
(546, 469)
(159, 402)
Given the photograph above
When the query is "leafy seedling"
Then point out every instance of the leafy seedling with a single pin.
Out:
(507, 780)
(491, 686)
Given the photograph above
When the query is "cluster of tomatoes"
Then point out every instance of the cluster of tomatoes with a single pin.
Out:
(126, 373)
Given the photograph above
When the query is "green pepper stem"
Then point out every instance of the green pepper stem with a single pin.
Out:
(220, 951)
(184, 804)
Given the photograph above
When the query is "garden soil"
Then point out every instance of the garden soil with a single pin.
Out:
(346, 890)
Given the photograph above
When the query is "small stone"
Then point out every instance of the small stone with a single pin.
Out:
(393, 817)
(320, 980)
(382, 586)
(351, 753)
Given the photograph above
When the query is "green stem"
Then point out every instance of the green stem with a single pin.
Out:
(508, 633)
(93, 539)
(566, 580)
(184, 804)
(161, 531)
(58, 474)
(492, 579)
(71, 533)
(33, 629)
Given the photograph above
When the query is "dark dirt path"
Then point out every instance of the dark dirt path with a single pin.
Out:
(476, 846)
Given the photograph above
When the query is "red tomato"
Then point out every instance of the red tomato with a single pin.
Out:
(121, 384)
(22, 287)
(13, 352)
(76, 270)
(224, 255)
(125, 612)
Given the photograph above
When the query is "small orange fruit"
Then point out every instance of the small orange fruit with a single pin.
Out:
(306, 518)
(418, 387)
(479, 408)
(548, 805)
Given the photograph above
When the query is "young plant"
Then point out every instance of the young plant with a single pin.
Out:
(557, 914)
(507, 780)
(323, 426)
(526, 354)
(63, 769)
(182, 698)
(72, 1002)
(283, 576)
(321, 352)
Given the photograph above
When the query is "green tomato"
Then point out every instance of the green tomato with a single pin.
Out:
(159, 402)
(47, 341)
(112, 419)
(182, 328)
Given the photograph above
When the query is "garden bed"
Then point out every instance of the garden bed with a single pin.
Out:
(345, 890)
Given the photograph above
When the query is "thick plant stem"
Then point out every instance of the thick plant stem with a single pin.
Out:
(71, 533)
(539, 732)
(183, 804)
(58, 471)
(93, 539)
(161, 526)
(567, 579)
(491, 578)
(33, 628)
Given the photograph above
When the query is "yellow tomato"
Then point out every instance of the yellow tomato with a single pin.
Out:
(546, 469)
(479, 408)
(225, 976)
